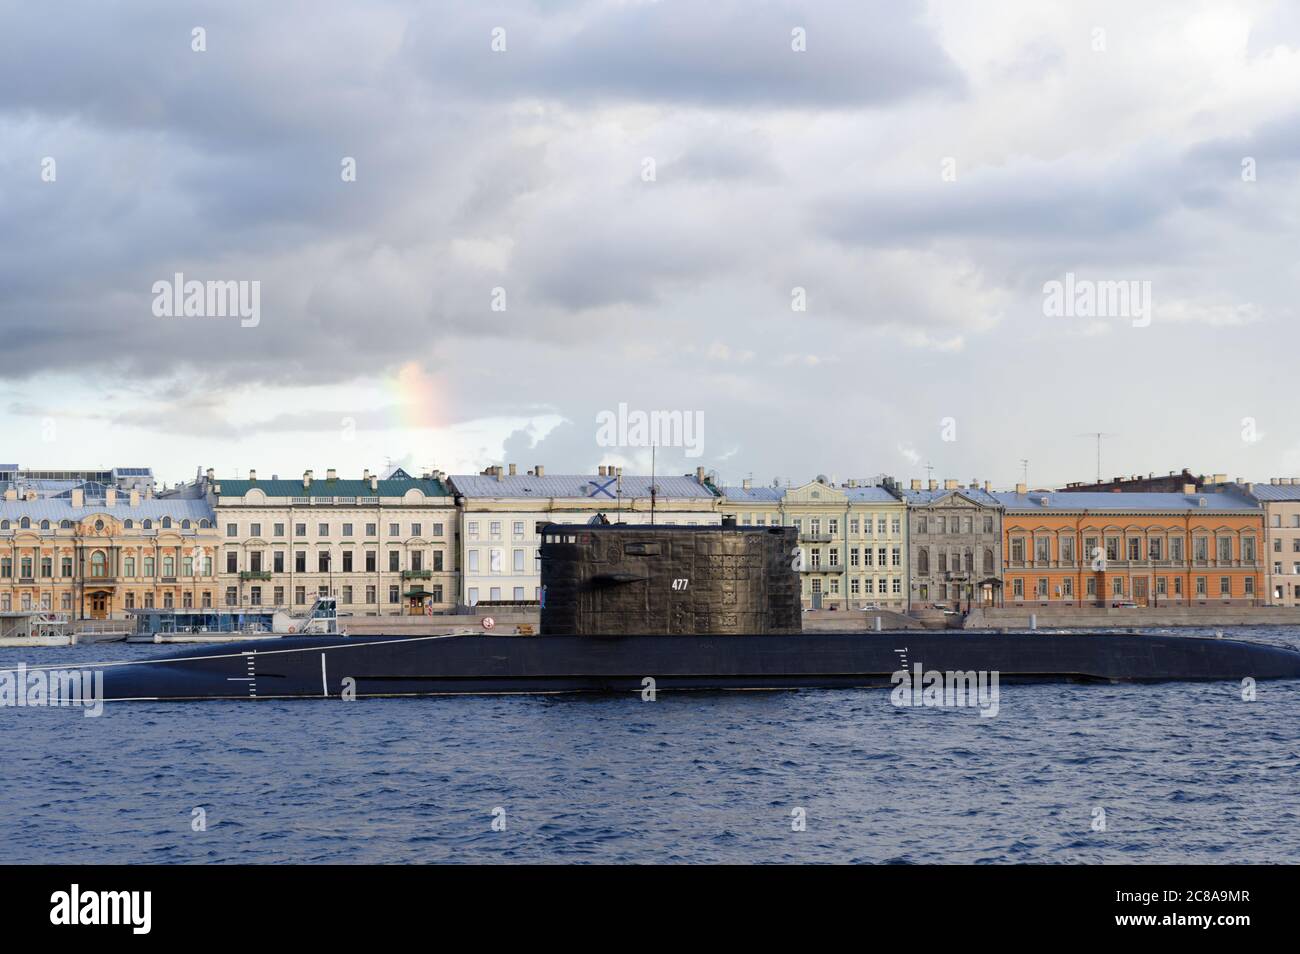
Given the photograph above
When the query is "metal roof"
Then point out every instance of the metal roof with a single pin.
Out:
(754, 494)
(578, 486)
(332, 488)
(1218, 502)
(1276, 491)
(869, 494)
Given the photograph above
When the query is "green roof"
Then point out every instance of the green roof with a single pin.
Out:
(332, 488)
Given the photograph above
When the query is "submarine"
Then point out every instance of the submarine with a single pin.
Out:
(688, 608)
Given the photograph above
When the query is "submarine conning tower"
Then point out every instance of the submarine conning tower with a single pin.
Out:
(605, 579)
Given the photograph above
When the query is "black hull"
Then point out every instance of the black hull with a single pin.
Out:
(321, 667)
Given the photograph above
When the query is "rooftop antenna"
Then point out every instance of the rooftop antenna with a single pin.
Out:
(1024, 470)
(1098, 435)
(929, 472)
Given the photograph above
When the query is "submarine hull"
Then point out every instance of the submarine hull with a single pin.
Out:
(333, 667)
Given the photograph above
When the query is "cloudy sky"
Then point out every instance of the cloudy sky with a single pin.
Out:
(622, 205)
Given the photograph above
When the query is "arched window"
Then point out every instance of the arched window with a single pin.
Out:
(147, 525)
(128, 524)
(4, 524)
(167, 523)
(185, 524)
(169, 566)
(203, 524)
(923, 560)
(988, 559)
(65, 524)
(98, 564)
(25, 523)
(45, 525)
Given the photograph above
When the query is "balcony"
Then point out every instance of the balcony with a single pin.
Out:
(816, 538)
(417, 574)
(254, 575)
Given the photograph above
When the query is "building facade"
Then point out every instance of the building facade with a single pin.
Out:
(1280, 498)
(1170, 483)
(502, 513)
(954, 545)
(852, 539)
(1159, 549)
(379, 546)
(94, 552)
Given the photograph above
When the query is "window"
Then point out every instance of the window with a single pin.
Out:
(436, 530)
(495, 529)
(1176, 549)
(130, 600)
(494, 593)
(1017, 550)
(1250, 585)
(415, 530)
(833, 526)
(1018, 588)
(65, 567)
(1067, 588)
(1135, 548)
(1042, 550)
(279, 530)
(855, 558)
(394, 560)
(1067, 549)
(370, 593)
(519, 562)
(1201, 549)
(300, 529)
(279, 596)
(372, 530)
(988, 524)
(300, 561)
(1248, 549)
(471, 528)
(1225, 586)
(323, 561)
(1155, 549)
(300, 595)
(1117, 586)
(169, 565)
(347, 562)
(437, 561)
(47, 567)
(1200, 586)
(98, 565)
(473, 562)
(277, 561)
(393, 594)
(232, 529)
(255, 595)
(988, 560)
(232, 562)
(519, 593)
(322, 529)
(896, 556)
(394, 529)
(232, 596)
(1162, 586)
(347, 529)
(1112, 548)
(347, 594)
(255, 530)
(835, 556)
(1091, 586)
(1042, 588)
(372, 563)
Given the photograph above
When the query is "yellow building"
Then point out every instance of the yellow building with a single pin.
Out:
(95, 552)
(852, 539)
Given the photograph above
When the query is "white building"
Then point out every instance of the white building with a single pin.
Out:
(381, 547)
(502, 514)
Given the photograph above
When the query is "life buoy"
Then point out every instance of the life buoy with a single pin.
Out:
(293, 629)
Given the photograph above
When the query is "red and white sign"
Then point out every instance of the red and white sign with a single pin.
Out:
(488, 622)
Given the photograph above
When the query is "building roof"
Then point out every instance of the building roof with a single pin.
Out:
(60, 508)
(1045, 500)
(578, 486)
(325, 487)
(869, 494)
(753, 494)
(922, 498)
(1276, 491)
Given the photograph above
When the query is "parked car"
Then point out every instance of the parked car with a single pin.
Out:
(1124, 604)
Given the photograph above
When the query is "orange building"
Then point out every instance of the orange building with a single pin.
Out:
(1152, 549)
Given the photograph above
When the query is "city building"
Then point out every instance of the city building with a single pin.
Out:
(502, 513)
(851, 538)
(94, 552)
(954, 539)
(1280, 498)
(1171, 483)
(380, 547)
(1157, 549)
(52, 483)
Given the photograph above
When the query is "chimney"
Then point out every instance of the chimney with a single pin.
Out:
(1273, 481)
(1220, 478)
(699, 475)
(11, 493)
(916, 484)
(374, 483)
(365, 474)
(1189, 489)
(306, 478)
(600, 470)
(212, 475)
(618, 472)
(135, 497)
(331, 474)
(540, 470)
(746, 484)
(78, 497)
(496, 471)
(987, 486)
(110, 497)
(933, 485)
(514, 471)
(252, 476)
(950, 485)
(1021, 488)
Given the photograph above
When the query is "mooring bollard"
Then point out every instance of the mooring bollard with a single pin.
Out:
(879, 626)
(1033, 620)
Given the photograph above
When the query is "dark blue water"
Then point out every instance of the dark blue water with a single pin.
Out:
(1184, 773)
